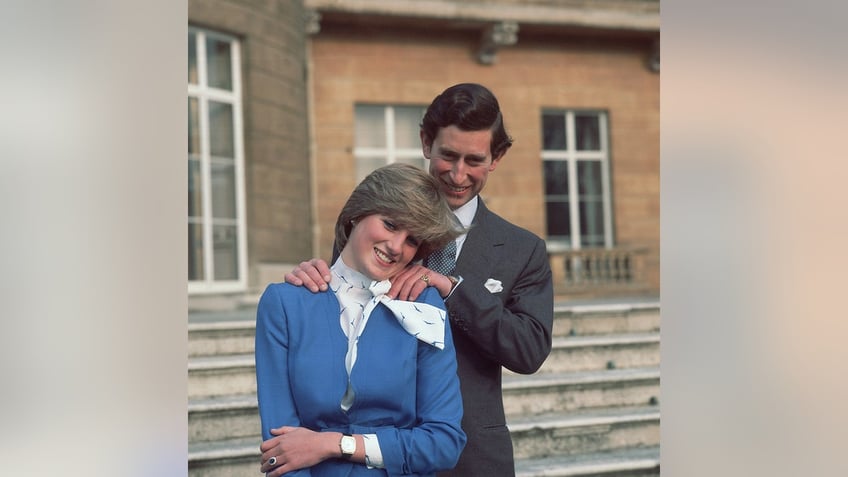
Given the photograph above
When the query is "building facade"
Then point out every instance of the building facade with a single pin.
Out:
(291, 103)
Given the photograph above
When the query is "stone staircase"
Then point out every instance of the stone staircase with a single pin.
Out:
(592, 410)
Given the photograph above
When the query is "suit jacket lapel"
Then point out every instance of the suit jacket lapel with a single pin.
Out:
(485, 242)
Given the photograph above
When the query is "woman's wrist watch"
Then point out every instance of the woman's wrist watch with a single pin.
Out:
(348, 446)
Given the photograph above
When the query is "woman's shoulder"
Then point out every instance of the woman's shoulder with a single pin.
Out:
(287, 292)
(282, 288)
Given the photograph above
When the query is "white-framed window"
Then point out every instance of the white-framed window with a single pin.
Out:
(216, 220)
(575, 157)
(386, 134)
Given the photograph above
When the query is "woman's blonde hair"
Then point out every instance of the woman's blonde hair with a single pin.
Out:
(410, 198)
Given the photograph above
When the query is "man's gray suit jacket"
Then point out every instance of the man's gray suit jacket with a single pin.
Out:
(510, 328)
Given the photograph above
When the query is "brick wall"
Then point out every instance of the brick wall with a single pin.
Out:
(406, 66)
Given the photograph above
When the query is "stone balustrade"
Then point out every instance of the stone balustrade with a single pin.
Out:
(597, 271)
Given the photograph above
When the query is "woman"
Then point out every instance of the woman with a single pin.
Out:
(352, 382)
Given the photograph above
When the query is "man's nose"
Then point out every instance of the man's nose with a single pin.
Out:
(458, 172)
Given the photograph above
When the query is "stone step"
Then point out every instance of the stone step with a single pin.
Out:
(225, 458)
(584, 432)
(636, 462)
(552, 444)
(235, 374)
(221, 418)
(233, 332)
(221, 375)
(221, 338)
(612, 351)
(564, 392)
(241, 459)
(574, 319)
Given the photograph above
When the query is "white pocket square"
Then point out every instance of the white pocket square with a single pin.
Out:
(494, 286)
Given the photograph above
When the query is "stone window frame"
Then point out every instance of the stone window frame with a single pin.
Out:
(212, 228)
(573, 156)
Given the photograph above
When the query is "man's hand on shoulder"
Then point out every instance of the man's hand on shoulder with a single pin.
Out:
(412, 280)
(313, 274)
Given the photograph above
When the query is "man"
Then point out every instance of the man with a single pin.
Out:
(499, 296)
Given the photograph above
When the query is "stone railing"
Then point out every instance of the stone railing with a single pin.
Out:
(597, 271)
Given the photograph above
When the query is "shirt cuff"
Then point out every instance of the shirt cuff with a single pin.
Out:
(459, 280)
(373, 454)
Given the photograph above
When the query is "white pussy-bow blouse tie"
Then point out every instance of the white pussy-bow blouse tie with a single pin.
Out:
(423, 321)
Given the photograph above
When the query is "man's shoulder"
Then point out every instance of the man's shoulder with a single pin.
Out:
(495, 221)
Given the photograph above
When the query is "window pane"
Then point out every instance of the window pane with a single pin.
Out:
(364, 166)
(407, 126)
(591, 203)
(193, 126)
(195, 202)
(591, 223)
(589, 179)
(370, 126)
(192, 58)
(588, 132)
(195, 252)
(556, 177)
(553, 132)
(559, 220)
(223, 190)
(219, 64)
(221, 143)
(226, 252)
(415, 161)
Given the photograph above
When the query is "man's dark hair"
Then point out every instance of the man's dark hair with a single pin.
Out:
(470, 107)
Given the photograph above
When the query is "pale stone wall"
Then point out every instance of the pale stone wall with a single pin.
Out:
(277, 184)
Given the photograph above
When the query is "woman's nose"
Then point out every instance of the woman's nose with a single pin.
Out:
(396, 242)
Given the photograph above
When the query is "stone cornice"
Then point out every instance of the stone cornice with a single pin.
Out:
(631, 15)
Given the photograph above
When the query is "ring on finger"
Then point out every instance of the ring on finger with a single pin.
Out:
(425, 278)
(272, 461)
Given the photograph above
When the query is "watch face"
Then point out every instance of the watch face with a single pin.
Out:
(348, 445)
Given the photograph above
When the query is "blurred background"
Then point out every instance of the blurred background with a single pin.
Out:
(95, 260)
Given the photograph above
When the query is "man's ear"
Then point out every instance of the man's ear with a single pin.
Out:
(495, 162)
(426, 144)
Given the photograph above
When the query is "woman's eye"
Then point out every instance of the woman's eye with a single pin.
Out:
(389, 224)
(413, 241)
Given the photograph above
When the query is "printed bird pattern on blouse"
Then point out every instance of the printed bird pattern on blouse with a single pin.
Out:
(425, 322)
(358, 296)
